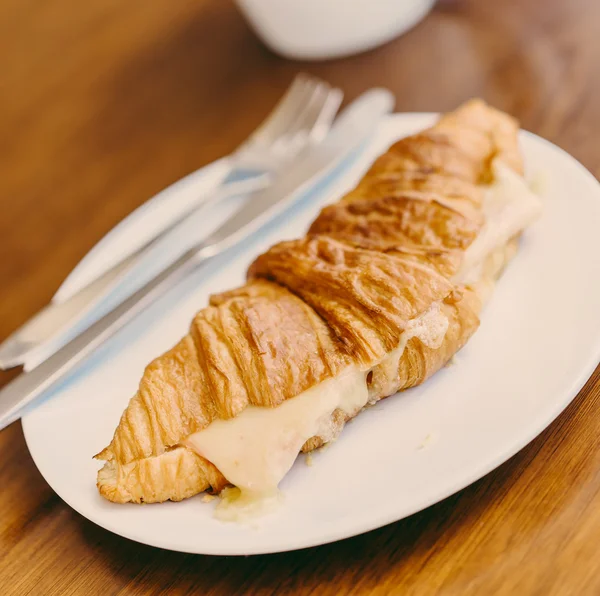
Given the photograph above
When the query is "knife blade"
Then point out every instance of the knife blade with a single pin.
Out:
(62, 319)
(353, 127)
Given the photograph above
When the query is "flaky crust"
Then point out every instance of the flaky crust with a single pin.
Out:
(175, 475)
(342, 296)
(259, 346)
(366, 297)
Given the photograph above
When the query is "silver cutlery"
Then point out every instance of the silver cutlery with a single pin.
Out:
(352, 127)
(303, 116)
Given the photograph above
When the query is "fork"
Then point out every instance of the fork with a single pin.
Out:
(302, 116)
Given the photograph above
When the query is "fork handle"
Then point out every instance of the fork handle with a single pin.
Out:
(57, 320)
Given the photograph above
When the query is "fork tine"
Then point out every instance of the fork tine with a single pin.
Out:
(278, 121)
(307, 108)
(311, 122)
(325, 118)
(300, 120)
(309, 115)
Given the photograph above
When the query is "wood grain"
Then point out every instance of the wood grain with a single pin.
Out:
(103, 103)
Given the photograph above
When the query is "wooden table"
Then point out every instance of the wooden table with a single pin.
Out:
(104, 102)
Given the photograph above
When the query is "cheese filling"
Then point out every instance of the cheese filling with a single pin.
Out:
(257, 448)
(430, 328)
(509, 206)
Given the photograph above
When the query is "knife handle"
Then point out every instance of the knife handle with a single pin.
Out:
(29, 386)
(57, 320)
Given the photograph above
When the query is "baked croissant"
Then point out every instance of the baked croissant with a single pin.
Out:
(386, 287)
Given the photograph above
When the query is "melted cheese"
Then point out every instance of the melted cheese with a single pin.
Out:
(241, 506)
(509, 206)
(430, 328)
(256, 449)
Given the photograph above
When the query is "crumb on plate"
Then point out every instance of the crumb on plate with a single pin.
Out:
(425, 442)
(452, 362)
(539, 182)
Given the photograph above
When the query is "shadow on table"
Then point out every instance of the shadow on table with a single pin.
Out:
(363, 560)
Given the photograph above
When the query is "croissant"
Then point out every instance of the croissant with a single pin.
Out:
(385, 288)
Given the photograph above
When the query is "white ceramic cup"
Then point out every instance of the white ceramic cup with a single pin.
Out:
(321, 29)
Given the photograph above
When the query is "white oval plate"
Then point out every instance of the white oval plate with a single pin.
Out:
(538, 343)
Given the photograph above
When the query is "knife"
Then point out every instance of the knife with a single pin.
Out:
(353, 127)
(64, 318)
